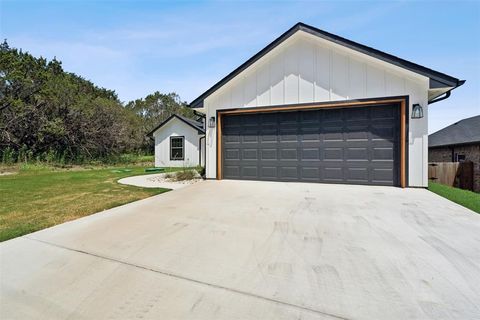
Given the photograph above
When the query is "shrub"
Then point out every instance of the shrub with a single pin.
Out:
(185, 175)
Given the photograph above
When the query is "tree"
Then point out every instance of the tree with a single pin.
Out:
(48, 113)
(156, 108)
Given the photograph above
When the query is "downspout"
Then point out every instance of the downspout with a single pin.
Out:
(200, 151)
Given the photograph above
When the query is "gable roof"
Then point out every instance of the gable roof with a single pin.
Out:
(462, 132)
(437, 79)
(192, 123)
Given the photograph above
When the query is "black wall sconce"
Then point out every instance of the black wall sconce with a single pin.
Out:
(417, 111)
(211, 122)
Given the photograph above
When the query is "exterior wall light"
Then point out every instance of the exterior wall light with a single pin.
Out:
(211, 122)
(417, 111)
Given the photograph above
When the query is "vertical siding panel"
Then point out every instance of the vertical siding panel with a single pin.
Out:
(375, 81)
(277, 79)
(322, 74)
(237, 94)
(291, 74)
(306, 72)
(263, 85)
(250, 92)
(394, 85)
(339, 76)
(356, 77)
(225, 99)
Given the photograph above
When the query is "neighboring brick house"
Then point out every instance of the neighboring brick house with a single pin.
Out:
(458, 142)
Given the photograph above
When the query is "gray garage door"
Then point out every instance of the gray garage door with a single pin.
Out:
(357, 145)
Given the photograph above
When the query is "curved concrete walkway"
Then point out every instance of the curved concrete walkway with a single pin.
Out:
(156, 181)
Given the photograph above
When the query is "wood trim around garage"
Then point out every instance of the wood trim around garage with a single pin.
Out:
(401, 101)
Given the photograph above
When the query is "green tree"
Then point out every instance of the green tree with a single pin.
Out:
(154, 109)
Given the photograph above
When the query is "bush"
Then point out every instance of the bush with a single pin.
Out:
(185, 175)
(201, 171)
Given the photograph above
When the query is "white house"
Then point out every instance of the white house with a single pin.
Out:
(313, 106)
(179, 142)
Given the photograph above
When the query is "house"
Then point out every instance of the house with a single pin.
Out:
(458, 142)
(315, 107)
(179, 142)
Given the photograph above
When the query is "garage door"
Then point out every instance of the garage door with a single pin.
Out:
(356, 145)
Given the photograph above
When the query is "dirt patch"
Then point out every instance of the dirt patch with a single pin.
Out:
(7, 173)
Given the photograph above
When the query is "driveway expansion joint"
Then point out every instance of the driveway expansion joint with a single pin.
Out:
(180, 277)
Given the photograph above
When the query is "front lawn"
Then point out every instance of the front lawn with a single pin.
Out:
(465, 198)
(37, 198)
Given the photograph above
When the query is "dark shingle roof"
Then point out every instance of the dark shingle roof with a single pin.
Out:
(198, 125)
(437, 79)
(194, 124)
(462, 132)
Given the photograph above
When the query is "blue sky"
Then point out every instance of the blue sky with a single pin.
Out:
(138, 47)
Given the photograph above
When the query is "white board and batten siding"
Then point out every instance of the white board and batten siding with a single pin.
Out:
(305, 69)
(176, 128)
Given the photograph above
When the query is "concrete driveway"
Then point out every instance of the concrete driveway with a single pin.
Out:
(253, 250)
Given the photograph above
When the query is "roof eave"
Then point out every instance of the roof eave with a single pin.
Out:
(454, 144)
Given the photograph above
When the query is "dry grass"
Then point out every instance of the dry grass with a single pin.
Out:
(185, 175)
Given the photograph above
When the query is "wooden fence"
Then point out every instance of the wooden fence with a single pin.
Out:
(454, 174)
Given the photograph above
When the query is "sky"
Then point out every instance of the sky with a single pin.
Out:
(138, 47)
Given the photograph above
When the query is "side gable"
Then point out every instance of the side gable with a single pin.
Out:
(440, 83)
(189, 122)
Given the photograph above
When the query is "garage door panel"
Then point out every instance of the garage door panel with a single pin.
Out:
(357, 174)
(268, 154)
(232, 138)
(332, 174)
(383, 154)
(310, 154)
(332, 115)
(357, 154)
(333, 134)
(310, 173)
(383, 113)
(289, 173)
(232, 154)
(249, 171)
(288, 154)
(249, 137)
(358, 133)
(333, 154)
(232, 171)
(249, 154)
(343, 145)
(382, 132)
(269, 135)
(384, 175)
(269, 119)
(269, 172)
(310, 133)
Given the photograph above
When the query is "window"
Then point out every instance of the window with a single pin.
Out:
(458, 157)
(176, 148)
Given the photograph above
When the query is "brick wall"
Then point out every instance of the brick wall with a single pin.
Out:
(471, 152)
(440, 155)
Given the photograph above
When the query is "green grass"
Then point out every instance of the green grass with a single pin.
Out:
(465, 198)
(38, 196)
